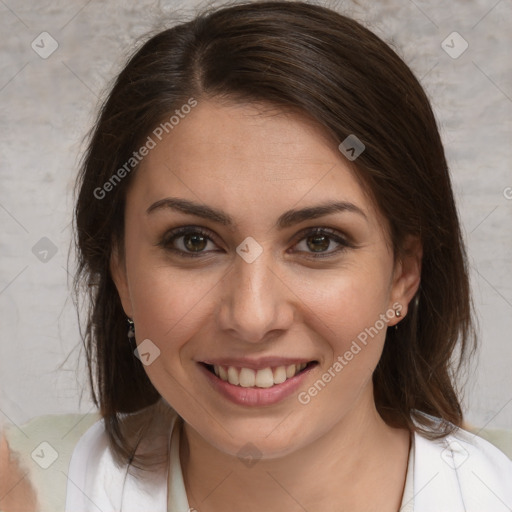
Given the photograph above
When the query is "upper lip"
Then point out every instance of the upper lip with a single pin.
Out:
(256, 364)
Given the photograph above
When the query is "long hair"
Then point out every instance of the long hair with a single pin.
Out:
(291, 55)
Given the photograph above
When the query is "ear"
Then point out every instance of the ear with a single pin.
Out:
(406, 276)
(118, 273)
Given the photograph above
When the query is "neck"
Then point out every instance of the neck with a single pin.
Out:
(332, 473)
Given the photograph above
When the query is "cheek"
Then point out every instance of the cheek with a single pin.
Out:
(341, 304)
(170, 308)
(169, 304)
(348, 316)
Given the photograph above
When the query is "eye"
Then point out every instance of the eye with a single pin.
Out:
(188, 241)
(192, 242)
(317, 241)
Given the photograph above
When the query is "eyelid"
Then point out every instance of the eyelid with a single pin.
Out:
(335, 233)
(184, 230)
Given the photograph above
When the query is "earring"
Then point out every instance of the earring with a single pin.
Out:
(131, 331)
(398, 314)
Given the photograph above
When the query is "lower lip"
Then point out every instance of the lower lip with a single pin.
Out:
(256, 396)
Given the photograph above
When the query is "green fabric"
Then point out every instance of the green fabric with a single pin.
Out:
(500, 438)
(61, 432)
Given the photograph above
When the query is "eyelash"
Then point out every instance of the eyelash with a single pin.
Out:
(174, 234)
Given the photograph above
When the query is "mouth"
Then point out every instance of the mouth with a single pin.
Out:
(265, 378)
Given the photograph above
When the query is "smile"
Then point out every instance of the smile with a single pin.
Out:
(264, 378)
(266, 383)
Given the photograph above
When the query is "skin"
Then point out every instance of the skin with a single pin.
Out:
(16, 491)
(255, 163)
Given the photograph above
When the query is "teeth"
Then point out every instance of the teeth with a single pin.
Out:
(233, 376)
(279, 375)
(247, 377)
(264, 378)
(223, 374)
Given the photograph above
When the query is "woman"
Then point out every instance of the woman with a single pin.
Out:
(265, 212)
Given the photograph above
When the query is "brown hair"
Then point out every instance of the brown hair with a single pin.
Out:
(310, 58)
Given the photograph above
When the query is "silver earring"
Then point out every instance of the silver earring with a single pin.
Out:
(131, 331)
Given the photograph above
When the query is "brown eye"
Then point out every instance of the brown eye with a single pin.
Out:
(187, 241)
(317, 241)
(195, 243)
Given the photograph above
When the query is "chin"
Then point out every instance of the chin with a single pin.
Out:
(263, 441)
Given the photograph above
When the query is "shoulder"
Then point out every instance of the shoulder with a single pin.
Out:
(38, 452)
(147, 430)
(461, 471)
(100, 477)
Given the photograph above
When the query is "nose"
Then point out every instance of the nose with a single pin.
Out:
(256, 301)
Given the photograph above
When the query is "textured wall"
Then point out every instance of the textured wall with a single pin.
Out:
(48, 104)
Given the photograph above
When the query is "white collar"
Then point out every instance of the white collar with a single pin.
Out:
(459, 473)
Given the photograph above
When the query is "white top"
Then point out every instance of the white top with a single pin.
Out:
(458, 473)
(177, 497)
(96, 483)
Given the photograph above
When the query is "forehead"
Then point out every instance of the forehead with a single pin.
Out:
(249, 157)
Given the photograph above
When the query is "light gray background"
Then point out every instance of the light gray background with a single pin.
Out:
(47, 106)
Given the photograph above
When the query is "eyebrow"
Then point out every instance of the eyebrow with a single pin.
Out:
(287, 219)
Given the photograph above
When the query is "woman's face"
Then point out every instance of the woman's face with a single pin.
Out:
(251, 291)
